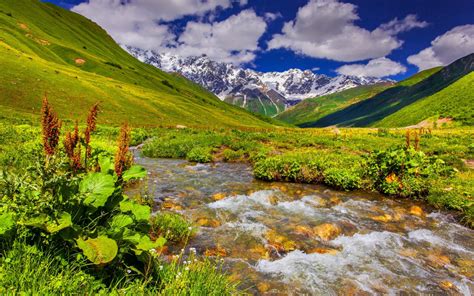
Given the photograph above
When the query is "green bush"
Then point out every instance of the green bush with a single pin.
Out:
(345, 179)
(200, 154)
(404, 172)
(171, 226)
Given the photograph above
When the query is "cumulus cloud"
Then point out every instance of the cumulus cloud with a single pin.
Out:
(327, 29)
(445, 49)
(233, 40)
(381, 67)
(142, 23)
(136, 22)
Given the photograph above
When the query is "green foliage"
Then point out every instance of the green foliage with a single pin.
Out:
(28, 270)
(199, 154)
(7, 223)
(404, 172)
(342, 178)
(171, 226)
(100, 250)
(97, 188)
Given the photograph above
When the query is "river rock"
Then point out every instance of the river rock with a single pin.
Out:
(217, 251)
(279, 242)
(327, 231)
(323, 251)
(417, 211)
(382, 218)
(219, 196)
(304, 230)
(208, 222)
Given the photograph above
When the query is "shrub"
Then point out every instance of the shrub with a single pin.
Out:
(171, 226)
(345, 179)
(404, 171)
(200, 154)
(232, 155)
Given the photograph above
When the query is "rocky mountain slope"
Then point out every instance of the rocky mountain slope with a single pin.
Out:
(266, 93)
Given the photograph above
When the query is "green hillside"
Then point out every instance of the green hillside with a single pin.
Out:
(446, 92)
(45, 49)
(313, 109)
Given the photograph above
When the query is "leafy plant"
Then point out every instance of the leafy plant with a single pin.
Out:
(404, 171)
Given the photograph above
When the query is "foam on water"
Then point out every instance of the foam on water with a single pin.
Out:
(369, 259)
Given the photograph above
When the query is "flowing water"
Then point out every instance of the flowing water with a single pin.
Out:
(295, 239)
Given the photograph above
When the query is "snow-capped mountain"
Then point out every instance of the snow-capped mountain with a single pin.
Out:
(267, 93)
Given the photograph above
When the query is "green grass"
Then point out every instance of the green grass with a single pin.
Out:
(39, 45)
(455, 101)
(449, 89)
(312, 109)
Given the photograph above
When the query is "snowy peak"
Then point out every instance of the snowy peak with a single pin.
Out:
(267, 93)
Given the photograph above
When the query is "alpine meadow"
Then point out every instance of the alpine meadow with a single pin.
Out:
(191, 147)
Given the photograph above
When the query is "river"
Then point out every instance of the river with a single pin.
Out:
(297, 239)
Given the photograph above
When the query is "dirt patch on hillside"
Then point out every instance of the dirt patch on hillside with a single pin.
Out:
(80, 61)
(431, 123)
(23, 26)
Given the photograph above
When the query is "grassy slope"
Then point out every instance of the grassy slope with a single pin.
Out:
(456, 100)
(39, 45)
(375, 109)
(313, 109)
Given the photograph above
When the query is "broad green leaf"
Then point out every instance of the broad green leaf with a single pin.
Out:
(106, 164)
(131, 236)
(6, 223)
(98, 250)
(64, 221)
(97, 188)
(121, 221)
(140, 212)
(135, 172)
(146, 244)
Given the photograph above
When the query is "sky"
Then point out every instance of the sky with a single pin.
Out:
(380, 38)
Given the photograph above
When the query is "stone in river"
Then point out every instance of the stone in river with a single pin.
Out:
(218, 196)
(323, 251)
(263, 287)
(382, 218)
(304, 230)
(279, 242)
(417, 211)
(327, 231)
(169, 205)
(207, 222)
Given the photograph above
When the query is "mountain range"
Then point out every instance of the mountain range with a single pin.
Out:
(267, 93)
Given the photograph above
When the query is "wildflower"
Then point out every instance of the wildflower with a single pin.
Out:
(160, 267)
(129, 271)
(51, 127)
(192, 250)
(190, 228)
(152, 251)
(186, 268)
(123, 158)
(91, 126)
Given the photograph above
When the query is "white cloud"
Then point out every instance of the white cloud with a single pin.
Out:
(381, 67)
(445, 49)
(326, 29)
(397, 26)
(135, 22)
(233, 40)
(270, 16)
(139, 23)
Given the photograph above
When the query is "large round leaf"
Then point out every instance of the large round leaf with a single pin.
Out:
(135, 172)
(97, 188)
(64, 221)
(140, 212)
(6, 223)
(98, 250)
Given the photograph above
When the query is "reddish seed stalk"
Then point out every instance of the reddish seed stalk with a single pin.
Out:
(51, 127)
(91, 126)
(407, 139)
(123, 158)
(71, 147)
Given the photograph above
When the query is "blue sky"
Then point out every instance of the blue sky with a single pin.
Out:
(383, 38)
